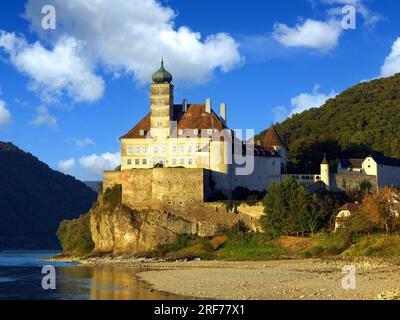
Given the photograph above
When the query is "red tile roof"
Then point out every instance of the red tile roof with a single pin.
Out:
(271, 139)
(194, 118)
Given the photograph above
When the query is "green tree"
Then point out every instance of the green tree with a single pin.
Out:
(75, 236)
(365, 186)
(286, 208)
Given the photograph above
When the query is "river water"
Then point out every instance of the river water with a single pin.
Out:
(21, 279)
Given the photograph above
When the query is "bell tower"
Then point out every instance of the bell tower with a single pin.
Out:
(161, 103)
(325, 178)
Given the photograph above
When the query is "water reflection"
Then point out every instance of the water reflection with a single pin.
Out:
(106, 283)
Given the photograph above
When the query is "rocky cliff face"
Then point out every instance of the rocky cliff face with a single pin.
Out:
(121, 230)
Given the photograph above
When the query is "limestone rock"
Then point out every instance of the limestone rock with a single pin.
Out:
(130, 232)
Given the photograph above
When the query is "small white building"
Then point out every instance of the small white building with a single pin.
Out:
(387, 170)
(379, 170)
(350, 165)
(345, 212)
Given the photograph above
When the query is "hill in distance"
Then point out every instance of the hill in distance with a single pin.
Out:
(34, 199)
(360, 121)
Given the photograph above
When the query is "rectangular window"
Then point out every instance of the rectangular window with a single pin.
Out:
(144, 149)
(173, 148)
(137, 149)
(190, 148)
(182, 161)
(190, 161)
(174, 162)
(155, 149)
(182, 148)
(137, 162)
(129, 162)
(144, 161)
(129, 150)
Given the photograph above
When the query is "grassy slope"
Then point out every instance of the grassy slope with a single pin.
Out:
(257, 247)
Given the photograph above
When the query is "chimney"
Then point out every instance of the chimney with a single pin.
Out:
(208, 105)
(184, 105)
(222, 112)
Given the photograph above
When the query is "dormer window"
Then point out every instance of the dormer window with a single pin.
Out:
(141, 133)
(209, 131)
(180, 132)
(195, 132)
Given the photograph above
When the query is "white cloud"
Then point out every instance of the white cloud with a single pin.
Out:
(83, 142)
(67, 166)
(303, 102)
(319, 35)
(5, 114)
(43, 117)
(315, 99)
(54, 72)
(94, 164)
(392, 62)
(131, 36)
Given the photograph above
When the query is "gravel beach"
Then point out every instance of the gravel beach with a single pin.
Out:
(280, 280)
(307, 279)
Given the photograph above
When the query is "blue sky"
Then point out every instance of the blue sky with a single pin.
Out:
(68, 94)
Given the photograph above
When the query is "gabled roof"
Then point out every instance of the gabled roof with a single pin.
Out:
(382, 160)
(272, 139)
(143, 125)
(195, 117)
(352, 207)
(351, 163)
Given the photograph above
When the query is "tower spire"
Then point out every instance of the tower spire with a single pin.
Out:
(162, 75)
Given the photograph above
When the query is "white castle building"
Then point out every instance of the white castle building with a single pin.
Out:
(190, 135)
(193, 136)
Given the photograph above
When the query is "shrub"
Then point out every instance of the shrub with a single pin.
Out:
(231, 206)
(113, 196)
(75, 236)
(239, 227)
(252, 200)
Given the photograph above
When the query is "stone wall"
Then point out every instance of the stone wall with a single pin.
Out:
(167, 188)
(348, 182)
(178, 187)
(111, 179)
(137, 187)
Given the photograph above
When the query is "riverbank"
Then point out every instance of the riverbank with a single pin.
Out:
(305, 279)
(281, 280)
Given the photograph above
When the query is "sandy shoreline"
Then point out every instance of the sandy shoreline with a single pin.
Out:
(311, 279)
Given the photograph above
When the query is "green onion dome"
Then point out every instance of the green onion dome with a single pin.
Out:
(162, 75)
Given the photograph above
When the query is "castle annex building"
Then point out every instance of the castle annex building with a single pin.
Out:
(186, 151)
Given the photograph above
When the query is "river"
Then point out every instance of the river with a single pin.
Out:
(21, 279)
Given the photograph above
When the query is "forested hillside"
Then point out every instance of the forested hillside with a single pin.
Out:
(34, 199)
(361, 120)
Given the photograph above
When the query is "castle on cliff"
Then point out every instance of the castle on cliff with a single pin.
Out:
(189, 147)
(181, 155)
